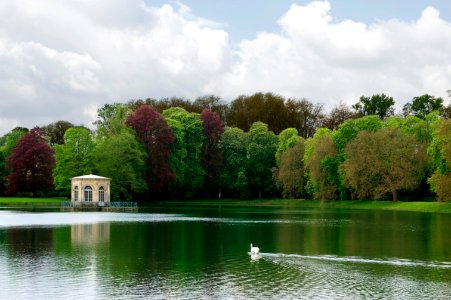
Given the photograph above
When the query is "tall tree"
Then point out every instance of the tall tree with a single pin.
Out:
(290, 173)
(379, 104)
(375, 167)
(193, 141)
(7, 144)
(153, 131)
(321, 165)
(122, 158)
(261, 150)
(211, 154)
(74, 157)
(233, 178)
(31, 163)
(111, 119)
(305, 116)
(338, 115)
(288, 138)
(55, 131)
(422, 106)
(440, 153)
(267, 108)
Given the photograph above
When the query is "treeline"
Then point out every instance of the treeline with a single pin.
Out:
(261, 145)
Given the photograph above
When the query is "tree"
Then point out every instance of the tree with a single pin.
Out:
(31, 163)
(305, 116)
(233, 177)
(73, 157)
(380, 105)
(213, 103)
(288, 138)
(374, 167)
(111, 119)
(440, 153)
(422, 106)
(193, 141)
(321, 165)
(267, 108)
(122, 158)
(213, 128)
(178, 157)
(290, 173)
(261, 150)
(55, 131)
(7, 144)
(338, 116)
(153, 131)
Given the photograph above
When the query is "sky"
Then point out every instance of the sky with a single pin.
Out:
(62, 60)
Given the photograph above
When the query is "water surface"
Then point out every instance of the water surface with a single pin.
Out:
(193, 253)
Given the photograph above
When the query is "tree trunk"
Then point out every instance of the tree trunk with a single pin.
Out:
(259, 193)
(395, 195)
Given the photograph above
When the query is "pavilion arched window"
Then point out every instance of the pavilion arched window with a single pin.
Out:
(101, 194)
(88, 193)
(76, 193)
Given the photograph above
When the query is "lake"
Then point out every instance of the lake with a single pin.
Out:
(198, 253)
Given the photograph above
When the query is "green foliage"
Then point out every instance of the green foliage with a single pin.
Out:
(379, 104)
(320, 165)
(288, 138)
(350, 128)
(7, 144)
(420, 128)
(375, 167)
(233, 176)
(440, 153)
(422, 106)
(290, 174)
(122, 158)
(193, 139)
(73, 158)
(178, 153)
(261, 150)
(111, 119)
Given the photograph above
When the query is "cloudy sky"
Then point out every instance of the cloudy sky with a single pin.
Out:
(61, 60)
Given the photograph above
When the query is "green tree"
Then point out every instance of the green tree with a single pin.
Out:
(178, 156)
(111, 119)
(7, 144)
(321, 165)
(261, 150)
(55, 131)
(422, 106)
(122, 158)
(232, 175)
(379, 104)
(193, 140)
(73, 158)
(375, 167)
(440, 153)
(290, 173)
(288, 138)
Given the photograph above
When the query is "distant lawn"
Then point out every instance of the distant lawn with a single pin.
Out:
(14, 201)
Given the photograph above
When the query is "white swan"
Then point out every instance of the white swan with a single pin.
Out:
(255, 250)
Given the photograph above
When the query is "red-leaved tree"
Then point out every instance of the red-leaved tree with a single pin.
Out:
(212, 156)
(31, 163)
(153, 131)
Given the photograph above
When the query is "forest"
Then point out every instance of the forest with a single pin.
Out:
(262, 145)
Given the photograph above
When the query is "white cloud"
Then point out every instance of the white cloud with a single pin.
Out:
(64, 59)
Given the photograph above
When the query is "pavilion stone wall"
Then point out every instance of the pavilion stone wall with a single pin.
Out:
(95, 184)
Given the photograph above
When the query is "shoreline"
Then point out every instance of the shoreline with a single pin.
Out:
(414, 206)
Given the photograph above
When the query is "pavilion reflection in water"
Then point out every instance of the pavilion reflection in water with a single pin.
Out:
(89, 234)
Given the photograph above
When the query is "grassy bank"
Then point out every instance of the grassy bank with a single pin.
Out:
(30, 202)
(436, 207)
